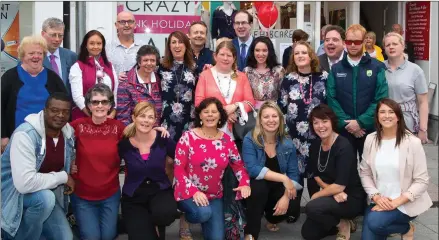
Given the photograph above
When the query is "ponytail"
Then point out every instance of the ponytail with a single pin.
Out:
(129, 130)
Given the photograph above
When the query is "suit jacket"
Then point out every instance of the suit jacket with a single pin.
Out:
(241, 64)
(324, 64)
(67, 59)
(413, 172)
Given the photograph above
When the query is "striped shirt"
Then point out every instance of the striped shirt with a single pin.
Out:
(122, 58)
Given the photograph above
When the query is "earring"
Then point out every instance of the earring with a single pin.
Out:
(219, 122)
(201, 123)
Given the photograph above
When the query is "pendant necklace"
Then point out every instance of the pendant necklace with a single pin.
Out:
(208, 136)
(221, 90)
(178, 81)
(307, 102)
(321, 167)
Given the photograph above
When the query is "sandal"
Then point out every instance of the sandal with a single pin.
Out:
(272, 227)
(353, 224)
(185, 234)
(410, 234)
(344, 235)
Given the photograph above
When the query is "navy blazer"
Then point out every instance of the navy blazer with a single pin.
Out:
(67, 59)
(241, 64)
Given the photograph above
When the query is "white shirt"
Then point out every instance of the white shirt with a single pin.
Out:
(223, 86)
(247, 44)
(387, 169)
(57, 60)
(336, 61)
(75, 78)
(147, 85)
(352, 62)
(122, 58)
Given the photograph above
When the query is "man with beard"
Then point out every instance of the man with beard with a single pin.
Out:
(35, 174)
(122, 50)
(242, 23)
(334, 46)
(202, 55)
(354, 87)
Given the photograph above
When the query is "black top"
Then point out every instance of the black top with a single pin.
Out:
(341, 168)
(286, 56)
(272, 163)
(205, 57)
(10, 86)
(224, 24)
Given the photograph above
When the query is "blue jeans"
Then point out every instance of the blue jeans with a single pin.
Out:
(379, 225)
(97, 220)
(43, 217)
(211, 217)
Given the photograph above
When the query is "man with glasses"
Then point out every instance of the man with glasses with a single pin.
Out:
(354, 87)
(122, 50)
(242, 24)
(58, 59)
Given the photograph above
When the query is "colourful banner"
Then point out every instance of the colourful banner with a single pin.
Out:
(10, 30)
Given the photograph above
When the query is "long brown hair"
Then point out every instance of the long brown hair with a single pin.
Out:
(229, 45)
(292, 67)
(401, 129)
(168, 59)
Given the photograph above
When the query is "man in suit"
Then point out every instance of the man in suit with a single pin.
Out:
(334, 46)
(409, 48)
(58, 59)
(242, 24)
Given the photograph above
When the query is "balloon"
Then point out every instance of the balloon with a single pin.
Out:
(268, 14)
(258, 4)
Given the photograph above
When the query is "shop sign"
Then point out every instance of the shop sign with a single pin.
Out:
(418, 28)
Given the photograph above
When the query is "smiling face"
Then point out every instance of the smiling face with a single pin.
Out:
(242, 26)
(334, 44)
(125, 23)
(56, 114)
(387, 117)
(178, 49)
(99, 105)
(393, 47)
(369, 40)
(198, 35)
(269, 120)
(33, 57)
(210, 116)
(322, 127)
(148, 63)
(224, 59)
(94, 45)
(261, 52)
(301, 56)
(145, 121)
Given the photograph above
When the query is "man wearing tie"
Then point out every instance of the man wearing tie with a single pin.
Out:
(242, 24)
(58, 59)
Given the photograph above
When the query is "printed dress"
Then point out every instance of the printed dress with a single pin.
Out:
(200, 165)
(265, 86)
(178, 86)
(296, 102)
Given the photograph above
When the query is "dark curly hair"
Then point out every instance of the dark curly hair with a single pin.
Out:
(271, 57)
(204, 104)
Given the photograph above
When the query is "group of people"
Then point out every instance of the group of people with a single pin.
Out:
(69, 120)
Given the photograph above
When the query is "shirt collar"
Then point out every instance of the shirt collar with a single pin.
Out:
(402, 66)
(338, 60)
(153, 79)
(56, 54)
(117, 43)
(247, 43)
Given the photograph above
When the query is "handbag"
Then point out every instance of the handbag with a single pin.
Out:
(241, 127)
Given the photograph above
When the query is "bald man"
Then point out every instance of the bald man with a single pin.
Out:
(122, 50)
(409, 48)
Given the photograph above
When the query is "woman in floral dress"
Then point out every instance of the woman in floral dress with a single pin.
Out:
(178, 79)
(263, 71)
(302, 89)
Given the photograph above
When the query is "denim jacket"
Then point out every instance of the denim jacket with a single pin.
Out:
(12, 200)
(254, 159)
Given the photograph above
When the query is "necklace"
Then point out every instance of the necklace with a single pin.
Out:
(321, 167)
(221, 90)
(208, 136)
(307, 102)
(177, 92)
(228, 18)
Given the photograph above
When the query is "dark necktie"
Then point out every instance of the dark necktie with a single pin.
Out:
(242, 53)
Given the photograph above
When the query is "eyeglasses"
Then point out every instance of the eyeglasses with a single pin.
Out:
(355, 42)
(124, 22)
(243, 23)
(97, 102)
(56, 35)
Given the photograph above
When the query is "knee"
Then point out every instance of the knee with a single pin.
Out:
(312, 208)
(164, 217)
(44, 202)
(374, 224)
(200, 215)
(67, 234)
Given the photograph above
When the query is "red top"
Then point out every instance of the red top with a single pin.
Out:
(200, 165)
(54, 160)
(97, 158)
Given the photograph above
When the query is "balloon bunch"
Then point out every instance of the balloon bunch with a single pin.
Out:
(267, 13)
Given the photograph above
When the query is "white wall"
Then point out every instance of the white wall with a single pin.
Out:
(101, 16)
(26, 16)
(44, 10)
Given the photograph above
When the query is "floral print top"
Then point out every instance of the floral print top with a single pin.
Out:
(178, 87)
(200, 164)
(296, 103)
(265, 86)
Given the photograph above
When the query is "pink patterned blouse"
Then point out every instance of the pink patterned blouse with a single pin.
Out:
(200, 164)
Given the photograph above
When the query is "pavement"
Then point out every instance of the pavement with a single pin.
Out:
(426, 225)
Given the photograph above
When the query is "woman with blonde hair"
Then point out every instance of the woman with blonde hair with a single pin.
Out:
(371, 48)
(26, 87)
(394, 175)
(407, 85)
(302, 89)
(270, 158)
(147, 195)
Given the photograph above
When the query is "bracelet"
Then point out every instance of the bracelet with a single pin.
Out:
(373, 195)
(422, 130)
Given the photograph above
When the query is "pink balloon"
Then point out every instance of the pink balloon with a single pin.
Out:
(268, 14)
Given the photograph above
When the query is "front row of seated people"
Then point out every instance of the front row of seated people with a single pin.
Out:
(37, 177)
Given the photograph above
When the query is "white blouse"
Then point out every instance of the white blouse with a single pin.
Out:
(387, 168)
(75, 78)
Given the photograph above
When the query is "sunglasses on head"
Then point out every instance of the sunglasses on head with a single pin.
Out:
(355, 42)
(103, 102)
